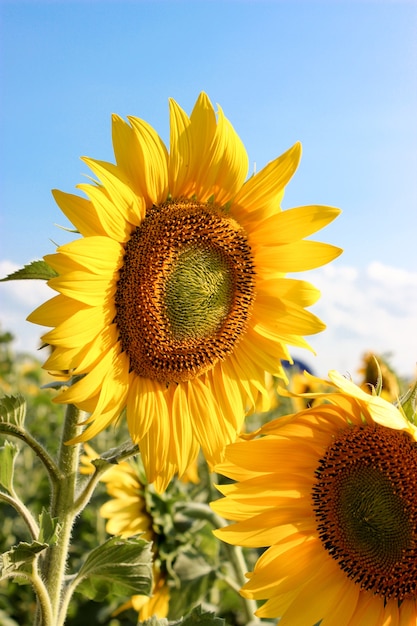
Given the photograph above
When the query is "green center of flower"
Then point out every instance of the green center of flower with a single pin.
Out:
(365, 503)
(198, 293)
(185, 291)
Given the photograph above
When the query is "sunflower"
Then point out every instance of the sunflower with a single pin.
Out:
(128, 515)
(330, 492)
(375, 371)
(174, 301)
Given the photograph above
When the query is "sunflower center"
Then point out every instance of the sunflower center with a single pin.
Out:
(365, 503)
(198, 293)
(185, 291)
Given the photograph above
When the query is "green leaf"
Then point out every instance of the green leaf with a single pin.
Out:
(197, 617)
(13, 410)
(8, 454)
(36, 269)
(408, 403)
(49, 528)
(202, 618)
(20, 558)
(196, 577)
(119, 566)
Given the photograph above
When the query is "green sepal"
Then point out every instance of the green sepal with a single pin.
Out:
(19, 559)
(408, 403)
(121, 567)
(13, 410)
(8, 454)
(49, 528)
(39, 270)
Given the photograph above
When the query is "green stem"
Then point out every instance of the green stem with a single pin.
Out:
(7, 428)
(23, 511)
(44, 606)
(105, 462)
(62, 507)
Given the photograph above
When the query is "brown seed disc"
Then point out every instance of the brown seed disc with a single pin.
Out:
(185, 291)
(365, 501)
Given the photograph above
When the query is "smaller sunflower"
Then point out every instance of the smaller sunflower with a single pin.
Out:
(330, 491)
(375, 371)
(127, 516)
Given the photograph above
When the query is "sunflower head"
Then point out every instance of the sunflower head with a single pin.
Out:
(174, 301)
(330, 491)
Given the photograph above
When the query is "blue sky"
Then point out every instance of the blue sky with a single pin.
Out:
(341, 77)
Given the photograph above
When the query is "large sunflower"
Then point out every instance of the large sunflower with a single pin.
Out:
(174, 302)
(331, 491)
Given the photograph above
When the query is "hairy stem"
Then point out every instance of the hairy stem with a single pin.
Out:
(8, 429)
(44, 610)
(23, 511)
(62, 507)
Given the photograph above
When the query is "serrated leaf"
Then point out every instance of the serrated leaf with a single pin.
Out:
(121, 567)
(36, 269)
(202, 618)
(20, 557)
(196, 578)
(13, 409)
(8, 454)
(199, 617)
(49, 528)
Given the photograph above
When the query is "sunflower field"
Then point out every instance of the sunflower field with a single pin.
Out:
(167, 461)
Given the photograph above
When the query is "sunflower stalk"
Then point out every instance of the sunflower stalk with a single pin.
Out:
(23, 511)
(13, 430)
(101, 465)
(63, 509)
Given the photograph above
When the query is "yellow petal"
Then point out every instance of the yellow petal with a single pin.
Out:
(130, 204)
(85, 287)
(112, 217)
(100, 255)
(54, 311)
(153, 162)
(183, 445)
(263, 191)
(288, 289)
(369, 612)
(293, 224)
(382, 411)
(229, 162)
(211, 432)
(319, 597)
(180, 156)
(80, 328)
(201, 131)
(80, 212)
(295, 257)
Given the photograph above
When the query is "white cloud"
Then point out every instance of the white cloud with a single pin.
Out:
(369, 309)
(373, 309)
